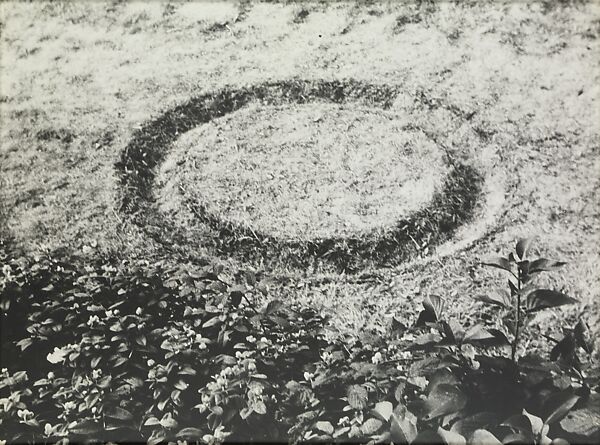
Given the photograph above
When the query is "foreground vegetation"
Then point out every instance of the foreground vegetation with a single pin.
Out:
(161, 354)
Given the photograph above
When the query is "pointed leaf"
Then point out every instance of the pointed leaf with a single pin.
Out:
(499, 262)
(451, 437)
(371, 426)
(559, 404)
(190, 433)
(441, 376)
(120, 414)
(151, 421)
(477, 333)
(86, 428)
(536, 423)
(325, 427)
(383, 410)
(584, 420)
(428, 437)
(434, 305)
(357, 396)
(273, 306)
(581, 334)
(402, 429)
(482, 436)
(544, 264)
(499, 298)
(547, 298)
(522, 247)
(444, 399)
(468, 425)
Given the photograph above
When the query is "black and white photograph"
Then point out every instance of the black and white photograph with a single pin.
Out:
(289, 222)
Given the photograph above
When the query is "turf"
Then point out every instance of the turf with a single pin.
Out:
(510, 88)
(309, 171)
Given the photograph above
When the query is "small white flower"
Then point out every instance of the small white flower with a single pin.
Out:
(57, 356)
(377, 358)
(48, 429)
(138, 311)
(68, 406)
(150, 362)
(405, 355)
(96, 373)
(251, 339)
(50, 375)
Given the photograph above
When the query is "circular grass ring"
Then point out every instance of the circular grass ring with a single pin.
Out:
(449, 208)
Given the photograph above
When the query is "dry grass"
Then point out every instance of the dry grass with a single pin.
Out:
(306, 171)
(512, 86)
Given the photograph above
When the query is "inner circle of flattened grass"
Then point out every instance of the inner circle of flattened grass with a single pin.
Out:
(303, 172)
(448, 209)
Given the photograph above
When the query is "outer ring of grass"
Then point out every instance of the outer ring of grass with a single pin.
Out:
(430, 226)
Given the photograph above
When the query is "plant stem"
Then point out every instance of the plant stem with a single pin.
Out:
(517, 319)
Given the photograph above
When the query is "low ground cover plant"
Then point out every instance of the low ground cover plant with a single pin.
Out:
(150, 353)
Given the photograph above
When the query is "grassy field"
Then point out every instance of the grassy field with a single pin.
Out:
(512, 88)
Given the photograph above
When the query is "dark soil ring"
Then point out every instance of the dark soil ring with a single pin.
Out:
(428, 227)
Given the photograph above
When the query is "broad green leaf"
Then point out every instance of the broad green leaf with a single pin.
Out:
(559, 404)
(211, 322)
(444, 399)
(399, 391)
(499, 298)
(383, 410)
(325, 427)
(537, 424)
(435, 305)
(260, 407)
(482, 436)
(27, 342)
(477, 333)
(168, 422)
(440, 376)
(371, 426)
(152, 421)
(522, 247)
(451, 437)
(190, 433)
(86, 428)
(546, 298)
(466, 426)
(273, 306)
(357, 396)
(428, 437)
(584, 420)
(499, 262)
(581, 334)
(544, 265)
(119, 414)
(402, 429)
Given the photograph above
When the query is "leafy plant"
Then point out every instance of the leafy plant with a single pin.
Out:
(143, 352)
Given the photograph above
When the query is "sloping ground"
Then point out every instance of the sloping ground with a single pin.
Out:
(515, 83)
